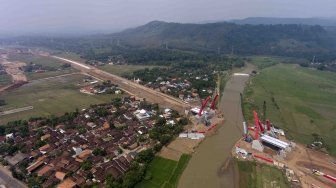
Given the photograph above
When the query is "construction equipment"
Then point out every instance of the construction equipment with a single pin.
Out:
(213, 103)
(203, 106)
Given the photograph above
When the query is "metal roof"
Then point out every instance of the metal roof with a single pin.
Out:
(274, 141)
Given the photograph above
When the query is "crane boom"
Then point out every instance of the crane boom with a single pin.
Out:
(203, 105)
(213, 104)
(257, 125)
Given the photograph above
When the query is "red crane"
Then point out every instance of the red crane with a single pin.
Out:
(203, 105)
(213, 104)
(268, 123)
(258, 125)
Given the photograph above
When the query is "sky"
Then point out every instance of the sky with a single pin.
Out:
(97, 16)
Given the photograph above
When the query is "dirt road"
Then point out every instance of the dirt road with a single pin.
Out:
(210, 164)
(303, 160)
(140, 91)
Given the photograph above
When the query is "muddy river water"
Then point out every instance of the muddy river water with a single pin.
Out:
(210, 165)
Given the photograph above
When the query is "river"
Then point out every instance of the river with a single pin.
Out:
(210, 165)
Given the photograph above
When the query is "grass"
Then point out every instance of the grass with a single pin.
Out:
(164, 173)
(255, 175)
(266, 61)
(5, 79)
(223, 78)
(36, 76)
(49, 97)
(124, 69)
(70, 55)
(40, 60)
(300, 100)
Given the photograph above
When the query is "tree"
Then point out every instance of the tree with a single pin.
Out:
(2, 102)
(99, 152)
(145, 156)
(86, 165)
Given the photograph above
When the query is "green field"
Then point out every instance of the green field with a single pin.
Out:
(164, 173)
(5, 79)
(36, 76)
(266, 61)
(70, 55)
(52, 96)
(40, 60)
(300, 100)
(255, 175)
(44, 61)
(124, 69)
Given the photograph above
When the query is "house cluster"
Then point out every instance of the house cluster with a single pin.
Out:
(93, 87)
(187, 87)
(85, 147)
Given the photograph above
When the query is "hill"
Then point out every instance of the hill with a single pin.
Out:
(324, 22)
(302, 41)
(289, 40)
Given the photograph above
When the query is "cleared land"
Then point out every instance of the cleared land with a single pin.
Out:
(40, 60)
(124, 69)
(49, 97)
(253, 174)
(43, 61)
(302, 101)
(164, 173)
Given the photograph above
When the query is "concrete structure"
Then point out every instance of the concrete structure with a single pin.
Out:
(141, 114)
(193, 136)
(256, 144)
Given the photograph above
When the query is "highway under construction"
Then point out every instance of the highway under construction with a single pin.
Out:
(131, 87)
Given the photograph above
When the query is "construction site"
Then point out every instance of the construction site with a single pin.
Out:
(304, 167)
(14, 70)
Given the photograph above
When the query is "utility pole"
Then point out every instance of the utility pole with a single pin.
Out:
(313, 60)
(264, 111)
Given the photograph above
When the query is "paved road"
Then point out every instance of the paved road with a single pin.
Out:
(209, 166)
(8, 180)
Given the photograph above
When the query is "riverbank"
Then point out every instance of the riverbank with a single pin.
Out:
(208, 166)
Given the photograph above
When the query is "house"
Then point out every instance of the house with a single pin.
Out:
(10, 136)
(34, 166)
(141, 114)
(45, 137)
(67, 183)
(44, 170)
(16, 158)
(60, 175)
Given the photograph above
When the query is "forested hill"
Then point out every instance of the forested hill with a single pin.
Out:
(303, 41)
(324, 22)
(291, 40)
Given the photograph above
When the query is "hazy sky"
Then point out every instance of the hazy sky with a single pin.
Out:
(45, 16)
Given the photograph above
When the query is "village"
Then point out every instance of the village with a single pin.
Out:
(186, 83)
(85, 147)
